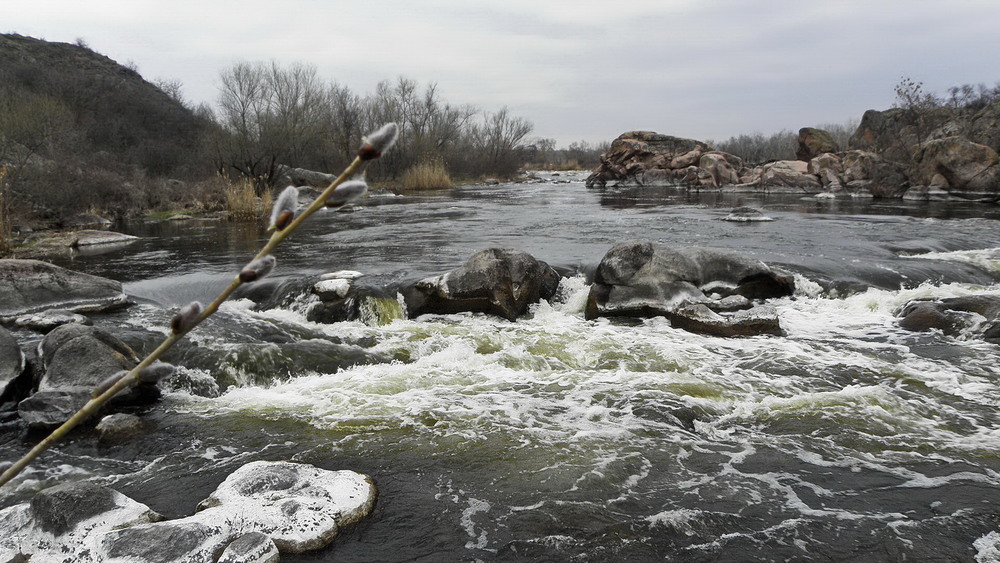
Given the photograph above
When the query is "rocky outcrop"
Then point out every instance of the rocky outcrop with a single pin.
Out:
(30, 286)
(814, 142)
(261, 508)
(918, 154)
(645, 157)
(496, 281)
(977, 316)
(693, 287)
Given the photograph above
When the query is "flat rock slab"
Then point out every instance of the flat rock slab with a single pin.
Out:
(31, 286)
(95, 238)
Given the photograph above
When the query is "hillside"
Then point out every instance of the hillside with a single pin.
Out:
(111, 106)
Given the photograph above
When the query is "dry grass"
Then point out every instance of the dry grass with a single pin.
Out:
(242, 203)
(426, 176)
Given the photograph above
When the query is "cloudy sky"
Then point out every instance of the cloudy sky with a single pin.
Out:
(580, 69)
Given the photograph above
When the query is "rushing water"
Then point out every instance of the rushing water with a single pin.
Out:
(554, 438)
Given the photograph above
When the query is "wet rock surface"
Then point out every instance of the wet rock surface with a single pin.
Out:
(31, 286)
(497, 281)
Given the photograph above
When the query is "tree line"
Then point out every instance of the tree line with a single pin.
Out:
(271, 115)
(79, 132)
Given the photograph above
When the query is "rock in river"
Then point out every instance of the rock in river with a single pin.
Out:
(30, 286)
(497, 281)
(642, 279)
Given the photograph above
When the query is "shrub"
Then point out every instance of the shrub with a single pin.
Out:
(426, 176)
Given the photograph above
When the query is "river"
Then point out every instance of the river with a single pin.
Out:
(554, 438)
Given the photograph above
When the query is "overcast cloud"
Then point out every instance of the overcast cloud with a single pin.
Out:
(578, 70)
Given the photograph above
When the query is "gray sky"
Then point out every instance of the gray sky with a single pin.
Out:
(579, 70)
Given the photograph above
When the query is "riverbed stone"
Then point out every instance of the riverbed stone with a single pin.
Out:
(30, 286)
(45, 321)
(65, 523)
(698, 317)
(119, 427)
(496, 281)
(299, 506)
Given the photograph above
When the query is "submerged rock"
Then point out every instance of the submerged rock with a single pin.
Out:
(97, 238)
(972, 315)
(30, 286)
(642, 279)
(746, 215)
(497, 281)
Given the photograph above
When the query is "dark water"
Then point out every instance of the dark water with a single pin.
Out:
(555, 438)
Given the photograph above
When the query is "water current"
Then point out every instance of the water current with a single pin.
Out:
(554, 438)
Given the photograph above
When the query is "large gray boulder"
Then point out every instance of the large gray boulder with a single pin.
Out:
(30, 286)
(75, 358)
(497, 281)
(643, 279)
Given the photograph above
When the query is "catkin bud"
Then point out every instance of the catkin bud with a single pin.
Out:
(257, 269)
(155, 372)
(284, 208)
(346, 193)
(374, 144)
(108, 383)
(183, 321)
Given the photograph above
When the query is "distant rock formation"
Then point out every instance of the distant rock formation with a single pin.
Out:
(934, 153)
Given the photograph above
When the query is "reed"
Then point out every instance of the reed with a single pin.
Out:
(242, 203)
(344, 189)
(426, 176)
